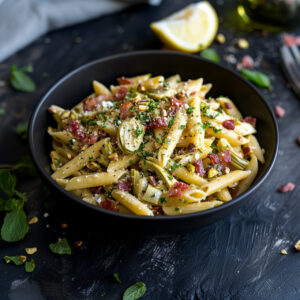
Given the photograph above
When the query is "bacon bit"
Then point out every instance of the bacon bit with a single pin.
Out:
(290, 40)
(160, 122)
(124, 185)
(90, 140)
(89, 104)
(108, 204)
(153, 181)
(157, 211)
(124, 80)
(280, 112)
(74, 128)
(102, 134)
(193, 93)
(214, 158)
(229, 124)
(172, 111)
(177, 189)
(191, 148)
(247, 62)
(199, 167)
(175, 102)
(182, 95)
(250, 120)
(228, 105)
(246, 150)
(96, 190)
(125, 111)
(288, 187)
(120, 93)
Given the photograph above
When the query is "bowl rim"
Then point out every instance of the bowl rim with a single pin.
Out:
(207, 212)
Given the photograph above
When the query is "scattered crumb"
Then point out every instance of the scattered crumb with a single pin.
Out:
(31, 251)
(283, 251)
(243, 44)
(64, 225)
(297, 246)
(230, 58)
(246, 62)
(47, 226)
(221, 38)
(46, 215)
(78, 243)
(33, 220)
(288, 187)
(2, 83)
(280, 112)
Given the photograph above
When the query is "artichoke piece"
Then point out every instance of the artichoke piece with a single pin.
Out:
(130, 135)
(236, 160)
(161, 173)
(152, 195)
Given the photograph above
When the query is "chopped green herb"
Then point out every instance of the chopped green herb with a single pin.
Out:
(61, 247)
(116, 275)
(176, 208)
(190, 110)
(171, 122)
(21, 130)
(216, 130)
(210, 54)
(131, 162)
(103, 294)
(256, 77)
(138, 132)
(182, 127)
(25, 166)
(135, 291)
(18, 259)
(166, 84)
(162, 200)
(30, 266)
(152, 105)
(20, 81)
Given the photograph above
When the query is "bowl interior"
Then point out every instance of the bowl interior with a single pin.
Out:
(77, 85)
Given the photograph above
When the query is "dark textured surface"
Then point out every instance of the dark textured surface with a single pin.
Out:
(235, 258)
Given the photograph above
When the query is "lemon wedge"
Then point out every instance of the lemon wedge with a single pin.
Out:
(190, 30)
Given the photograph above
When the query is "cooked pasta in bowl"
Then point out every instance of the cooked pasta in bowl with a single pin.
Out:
(154, 146)
(163, 152)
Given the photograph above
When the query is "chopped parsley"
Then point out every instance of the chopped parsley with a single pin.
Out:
(163, 200)
(176, 208)
(182, 127)
(190, 110)
(138, 132)
(152, 105)
(171, 122)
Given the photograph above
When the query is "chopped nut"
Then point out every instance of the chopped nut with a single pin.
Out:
(69, 156)
(114, 156)
(77, 243)
(212, 173)
(221, 38)
(191, 168)
(65, 114)
(23, 258)
(93, 166)
(64, 225)
(163, 112)
(143, 107)
(33, 220)
(83, 148)
(136, 99)
(31, 251)
(297, 246)
(243, 44)
(283, 251)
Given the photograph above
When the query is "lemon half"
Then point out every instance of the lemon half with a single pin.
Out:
(190, 30)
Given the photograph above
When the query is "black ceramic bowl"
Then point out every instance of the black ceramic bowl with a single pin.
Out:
(76, 85)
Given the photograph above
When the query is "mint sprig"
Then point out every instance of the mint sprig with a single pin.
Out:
(20, 80)
(61, 247)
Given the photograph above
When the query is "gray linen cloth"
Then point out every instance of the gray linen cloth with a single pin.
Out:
(23, 21)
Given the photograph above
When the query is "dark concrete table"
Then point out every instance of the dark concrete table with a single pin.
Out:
(235, 258)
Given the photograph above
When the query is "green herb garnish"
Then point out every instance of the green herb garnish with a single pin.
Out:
(2, 111)
(20, 81)
(171, 122)
(30, 266)
(116, 275)
(135, 291)
(17, 260)
(21, 130)
(256, 77)
(61, 247)
(210, 54)
(190, 110)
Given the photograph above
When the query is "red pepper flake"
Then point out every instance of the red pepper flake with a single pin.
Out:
(250, 120)
(160, 122)
(228, 105)
(191, 148)
(280, 112)
(290, 40)
(177, 189)
(96, 190)
(108, 204)
(124, 185)
(120, 93)
(175, 102)
(288, 187)
(124, 80)
(153, 181)
(199, 167)
(125, 110)
(229, 124)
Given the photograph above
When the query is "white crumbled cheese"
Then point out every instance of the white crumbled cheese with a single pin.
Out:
(107, 104)
(197, 155)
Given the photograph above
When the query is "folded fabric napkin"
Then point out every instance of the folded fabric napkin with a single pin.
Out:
(23, 21)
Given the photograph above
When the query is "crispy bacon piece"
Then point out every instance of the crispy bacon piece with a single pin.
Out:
(177, 103)
(74, 128)
(288, 187)
(199, 167)
(90, 139)
(191, 148)
(228, 105)
(160, 122)
(229, 124)
(90, 103)
(124, 185)
(108, 204)
(96, 190)
(177, 189)
(120, 93)
(225, 156)
(280, 112)
(214, 158)
(125, 110)
(246, 150)
(250, 120)
(153, 181)
(158, 211)
(102, 134)
(124, 80)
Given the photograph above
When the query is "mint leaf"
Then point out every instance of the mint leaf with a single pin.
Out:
(61, 247)
(30, 266)
(135, 291)
(18, 259)
(8, 182)
(26, 166)
(256, 77)
(210, 54)
(10, 204)
(116, 275)
(20, 81)
(2, 111)
(21, 130)
(15, 226)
